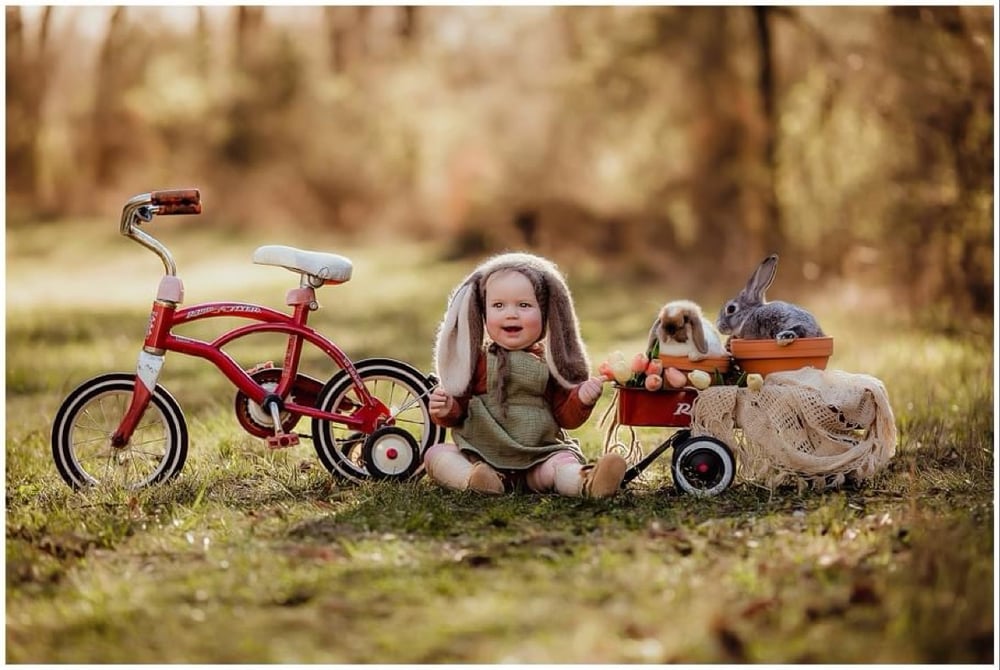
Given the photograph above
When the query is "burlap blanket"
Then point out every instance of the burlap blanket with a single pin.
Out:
(806, 427)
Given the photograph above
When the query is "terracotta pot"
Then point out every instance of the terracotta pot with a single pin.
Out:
(685, 364)
(765, 356)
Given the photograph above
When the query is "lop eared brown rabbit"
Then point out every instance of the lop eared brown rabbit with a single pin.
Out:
(682, 330)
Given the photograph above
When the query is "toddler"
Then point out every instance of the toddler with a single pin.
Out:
(509, 394)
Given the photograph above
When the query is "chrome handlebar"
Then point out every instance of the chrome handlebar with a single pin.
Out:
(143, 207)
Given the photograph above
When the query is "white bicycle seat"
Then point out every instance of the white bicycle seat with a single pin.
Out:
(330, 268)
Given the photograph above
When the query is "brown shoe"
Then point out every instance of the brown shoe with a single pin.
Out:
(603, 478)
(485, 479)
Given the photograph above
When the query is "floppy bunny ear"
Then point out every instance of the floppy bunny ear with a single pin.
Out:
(654, 336)
(567, 357)
(698, 332)
(459, 338)
(762, 278)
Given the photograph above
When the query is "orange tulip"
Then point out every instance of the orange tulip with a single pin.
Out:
(604, 369)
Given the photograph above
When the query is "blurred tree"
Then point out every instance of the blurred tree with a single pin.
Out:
(267, 80)
(120, 66)
(945, 231)
(249, 25)
(203, 41)
(409, 24)
(645, 136)
(768, 95)
(347, 35)
(731, 175)
(28, 72)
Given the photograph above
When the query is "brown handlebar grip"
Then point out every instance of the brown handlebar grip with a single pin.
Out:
(178, 201)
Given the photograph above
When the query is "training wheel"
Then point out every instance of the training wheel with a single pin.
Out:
(391, 453)
(703, 466)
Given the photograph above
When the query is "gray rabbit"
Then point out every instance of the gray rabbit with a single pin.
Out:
(750, 316)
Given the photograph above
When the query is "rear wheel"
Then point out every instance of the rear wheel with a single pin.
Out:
(90, 415)
(401, 388)
(703, 466)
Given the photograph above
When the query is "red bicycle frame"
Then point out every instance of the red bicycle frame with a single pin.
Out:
(165, 315)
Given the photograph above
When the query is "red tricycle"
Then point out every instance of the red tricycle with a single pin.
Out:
(369, 420)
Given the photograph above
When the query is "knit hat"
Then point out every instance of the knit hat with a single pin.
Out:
(461, 335)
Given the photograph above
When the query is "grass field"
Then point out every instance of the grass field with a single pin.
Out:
(258, 556)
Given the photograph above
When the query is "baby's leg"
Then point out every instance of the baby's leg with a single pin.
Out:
(450, 468)
(563, 474)
(541, 478)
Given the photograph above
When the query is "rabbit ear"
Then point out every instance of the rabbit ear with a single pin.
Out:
(460, 337)
(567, 357)
(698, 332)
(654, 335)
(762, 278)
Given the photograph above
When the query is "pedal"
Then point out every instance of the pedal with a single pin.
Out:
(282, 441)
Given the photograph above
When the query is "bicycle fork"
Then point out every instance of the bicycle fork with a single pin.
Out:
(151, 358)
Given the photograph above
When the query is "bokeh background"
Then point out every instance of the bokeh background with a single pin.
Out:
(676, 143)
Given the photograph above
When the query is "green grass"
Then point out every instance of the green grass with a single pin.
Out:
(258, 556)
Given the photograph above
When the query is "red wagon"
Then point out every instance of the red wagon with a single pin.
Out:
(701, 465)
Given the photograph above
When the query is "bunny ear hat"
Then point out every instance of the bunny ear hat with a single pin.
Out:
(461, 334)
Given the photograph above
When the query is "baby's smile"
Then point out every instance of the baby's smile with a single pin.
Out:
(513, 318)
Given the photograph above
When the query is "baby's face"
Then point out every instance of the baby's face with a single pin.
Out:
(513, 317)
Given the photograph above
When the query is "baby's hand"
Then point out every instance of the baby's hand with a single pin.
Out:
(590, 390)
(440, 403)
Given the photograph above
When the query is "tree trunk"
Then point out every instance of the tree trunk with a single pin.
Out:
(107, 100)
(249, 21)
(409, 24)
(28, 71)
(203, 44)
(946, 105)
(347, 35)
(726, 195)
(771, 234)
(973, 140)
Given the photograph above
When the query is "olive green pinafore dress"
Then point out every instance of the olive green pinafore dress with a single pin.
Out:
(528, 433)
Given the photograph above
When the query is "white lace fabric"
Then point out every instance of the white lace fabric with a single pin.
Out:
(806, 427)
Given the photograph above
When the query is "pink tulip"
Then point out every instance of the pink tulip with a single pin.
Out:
(675, 378)
(655, 367)
(639, 363)
(654, 382)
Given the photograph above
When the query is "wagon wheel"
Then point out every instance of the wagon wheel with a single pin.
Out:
(703, 466)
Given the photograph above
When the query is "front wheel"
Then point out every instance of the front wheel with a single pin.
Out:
(703, 466)
(90, 415)
(401, 388)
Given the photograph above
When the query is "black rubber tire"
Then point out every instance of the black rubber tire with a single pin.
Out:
(88, 417)
(341, 449)
(703, 466)
(391, 454)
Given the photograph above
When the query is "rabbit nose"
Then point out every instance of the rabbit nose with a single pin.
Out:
(671, 329)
